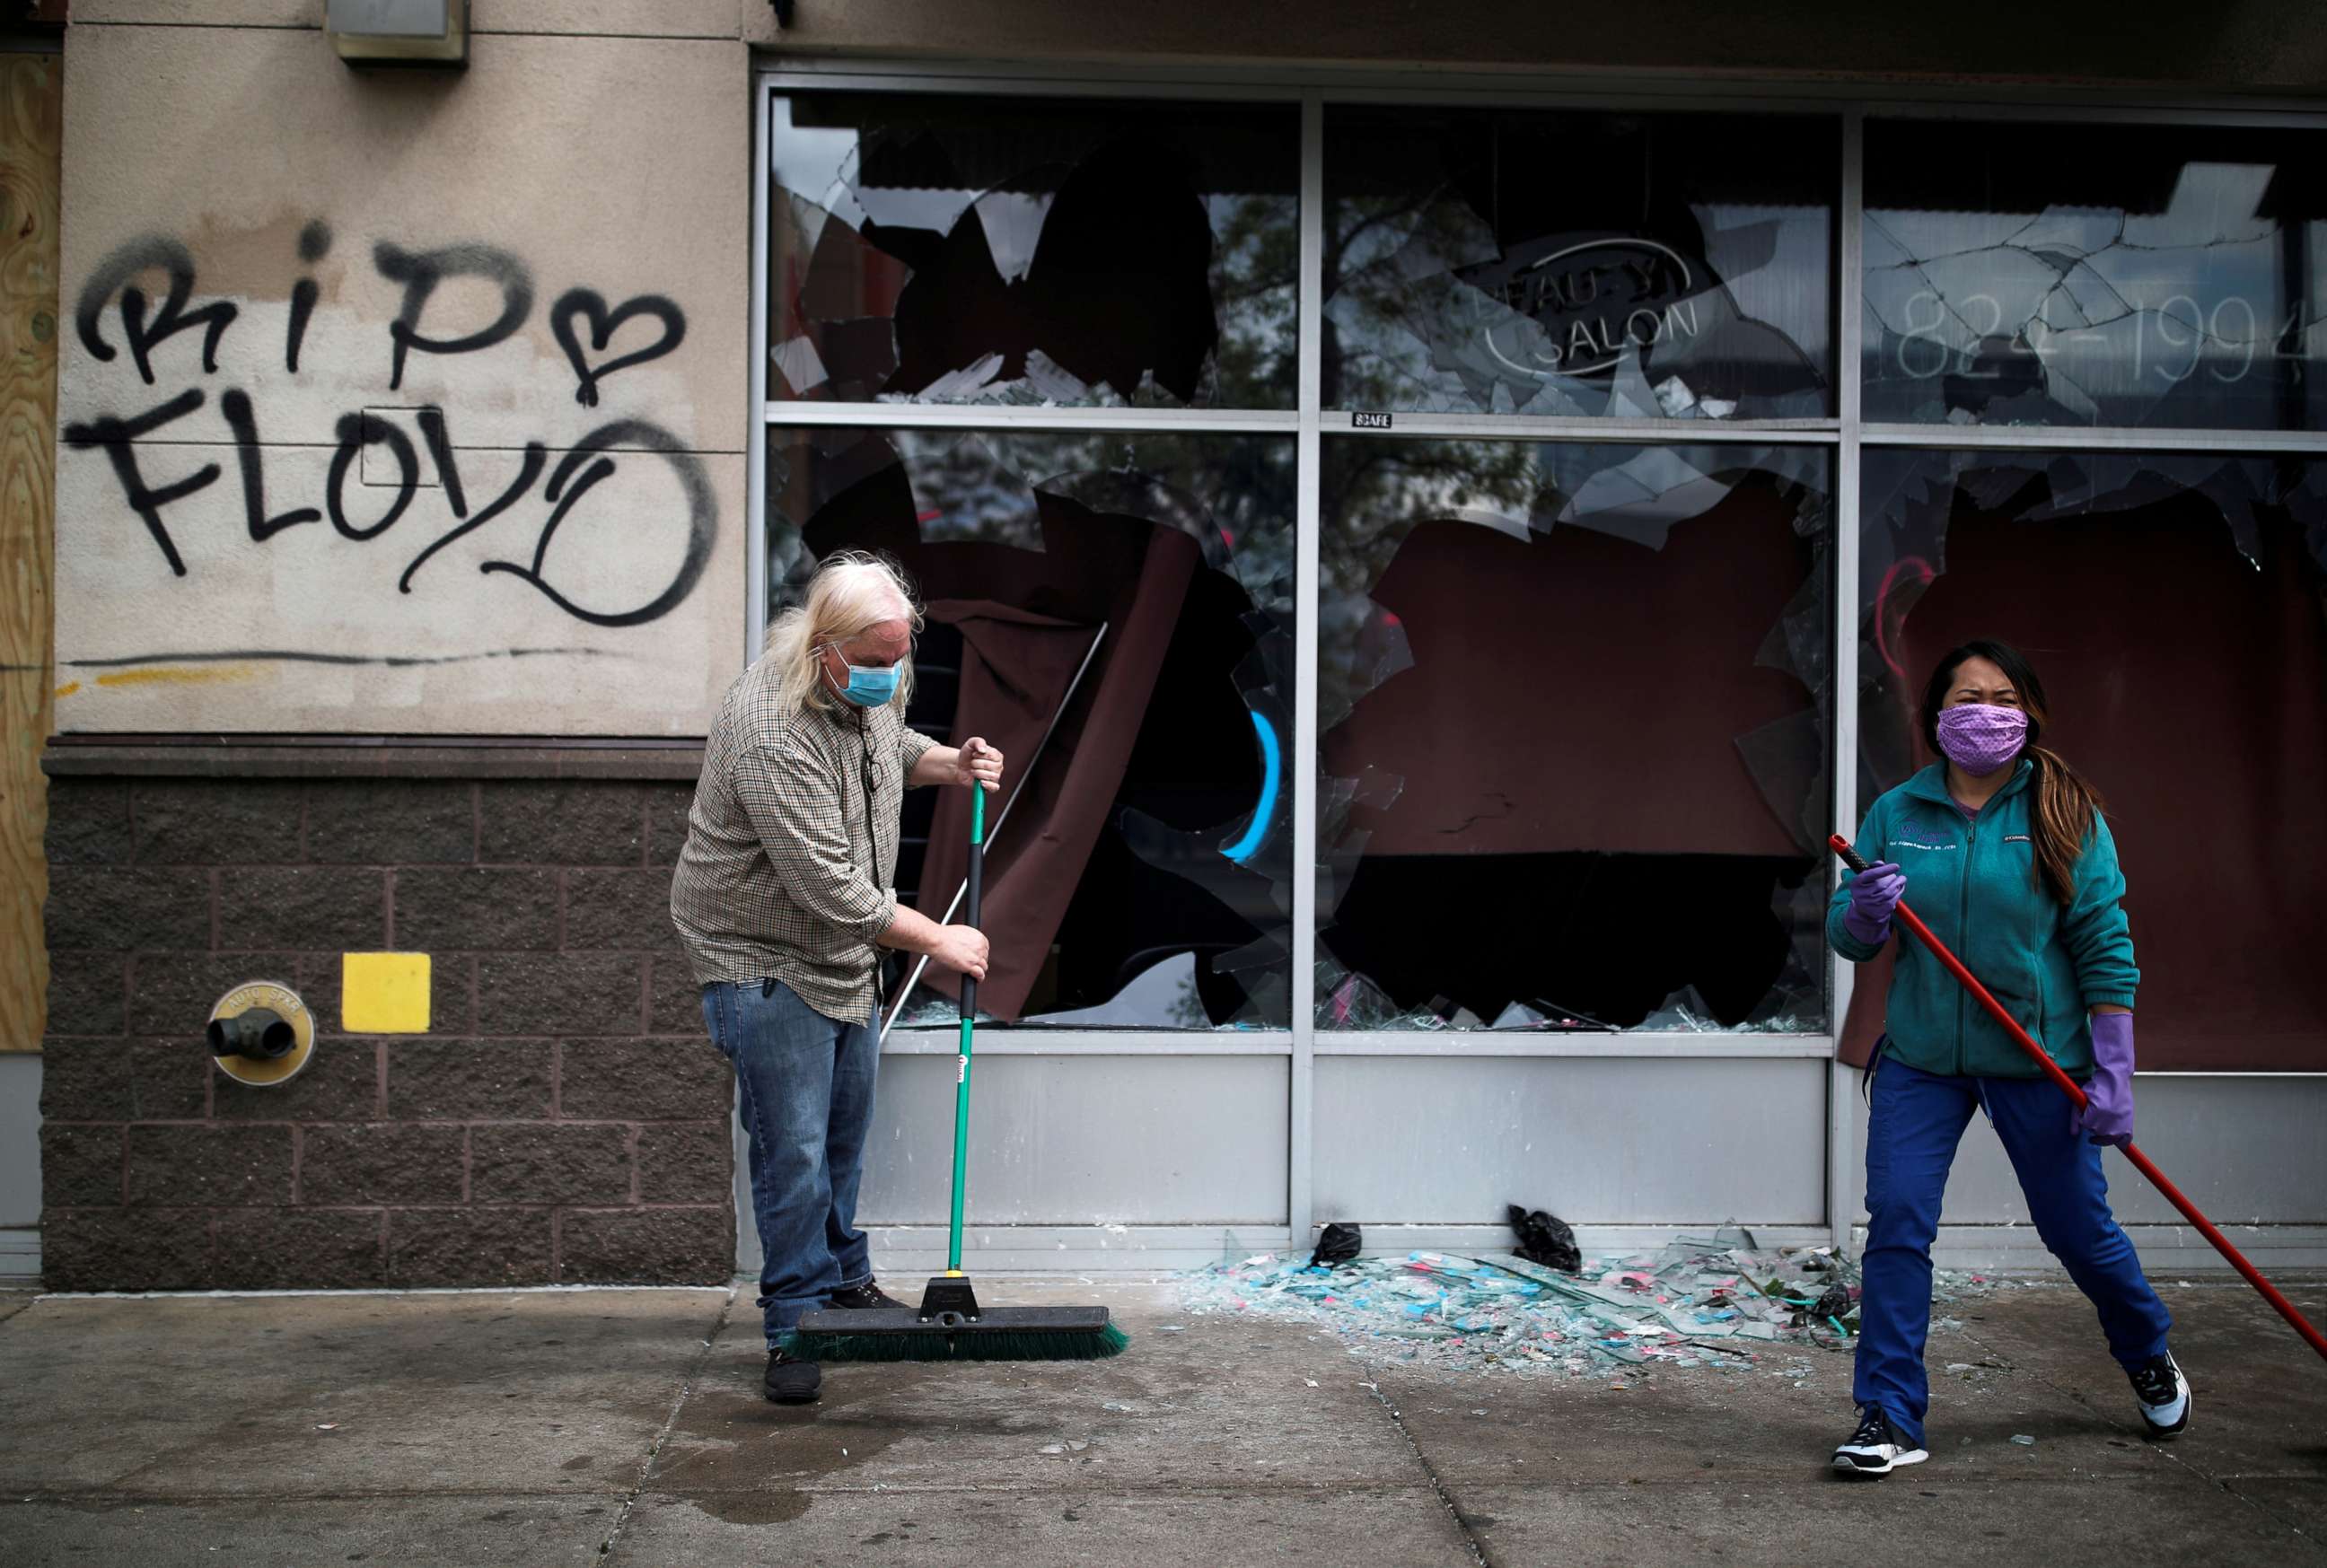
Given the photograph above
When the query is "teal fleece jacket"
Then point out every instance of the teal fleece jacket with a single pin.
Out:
(1973, 881)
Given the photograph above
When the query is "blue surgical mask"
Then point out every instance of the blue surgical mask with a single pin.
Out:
(870, 687)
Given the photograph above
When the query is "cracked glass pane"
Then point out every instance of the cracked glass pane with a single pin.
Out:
(2095, 275)
(2175, 607)
(1635, 267)
(928, 249)
(1132, 597)
(1576, 708)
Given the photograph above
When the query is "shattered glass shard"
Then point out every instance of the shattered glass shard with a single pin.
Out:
(1022, 543)
(1688, 1307)
(1163, 996)
(1463, 583)
(1641, 499)
(1662, 276)
(1037, 252)
(1013, 226)
(2087, 274)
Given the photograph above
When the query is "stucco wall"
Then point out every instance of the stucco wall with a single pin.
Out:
(567, 222)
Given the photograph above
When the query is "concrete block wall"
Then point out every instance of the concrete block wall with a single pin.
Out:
(564, 1120)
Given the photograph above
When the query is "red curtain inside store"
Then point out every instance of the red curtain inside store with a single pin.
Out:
(1576, 691)
(2190, 685)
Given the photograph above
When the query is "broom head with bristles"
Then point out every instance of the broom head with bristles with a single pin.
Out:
(949, 1326)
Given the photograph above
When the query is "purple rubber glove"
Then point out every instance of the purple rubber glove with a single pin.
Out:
(1874, 893)
(2108, 1115)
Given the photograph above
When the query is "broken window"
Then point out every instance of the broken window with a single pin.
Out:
(1574, 707)
(931, 249)
(1115, 610)
(2176, 608)
(2119, 275)
(1579, 264)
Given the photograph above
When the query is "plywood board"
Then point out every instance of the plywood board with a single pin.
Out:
(32, 125)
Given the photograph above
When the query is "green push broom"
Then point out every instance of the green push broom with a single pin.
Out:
(951, 1325)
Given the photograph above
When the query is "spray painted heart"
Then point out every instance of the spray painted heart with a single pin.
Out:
(603, 324)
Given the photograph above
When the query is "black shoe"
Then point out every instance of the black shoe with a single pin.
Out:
(1875, 1449)
(2164, 1396)
(791, 1380)
(857, 1298)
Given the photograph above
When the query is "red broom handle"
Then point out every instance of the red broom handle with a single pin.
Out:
(2068, 1087)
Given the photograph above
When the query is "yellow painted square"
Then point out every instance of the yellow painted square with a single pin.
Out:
(384, 993)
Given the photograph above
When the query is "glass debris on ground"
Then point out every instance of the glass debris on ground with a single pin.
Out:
(1713, 1300)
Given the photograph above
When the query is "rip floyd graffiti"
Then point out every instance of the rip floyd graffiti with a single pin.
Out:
(114, 290)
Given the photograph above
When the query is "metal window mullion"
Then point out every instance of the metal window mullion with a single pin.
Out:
(1679, 95)
(1850, 325)
(2035, 102)
(1019, 416)
(2088, 438)
(1306, 595)
(1080, 1043)
(1709, 1045)
(1029, 81)
(2112, 109)
(745, 1236)
(1522, 427)
(755, 455)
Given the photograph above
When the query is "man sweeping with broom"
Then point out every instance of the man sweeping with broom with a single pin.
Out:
(781, 897)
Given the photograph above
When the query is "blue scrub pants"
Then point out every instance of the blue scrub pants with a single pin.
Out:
(1917, 1121)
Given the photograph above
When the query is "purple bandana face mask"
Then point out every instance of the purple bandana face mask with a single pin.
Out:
(1979, 737)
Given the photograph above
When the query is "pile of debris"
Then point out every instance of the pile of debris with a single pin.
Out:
(1715, 1300)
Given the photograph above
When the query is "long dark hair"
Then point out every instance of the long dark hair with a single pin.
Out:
(2066, 806)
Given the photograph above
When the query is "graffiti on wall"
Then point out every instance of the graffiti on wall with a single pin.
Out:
(174, 343)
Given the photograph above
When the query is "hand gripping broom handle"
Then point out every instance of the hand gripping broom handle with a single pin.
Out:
(2068, 1087)
(969, 1027)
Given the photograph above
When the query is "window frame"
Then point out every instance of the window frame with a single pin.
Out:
(1847, 433)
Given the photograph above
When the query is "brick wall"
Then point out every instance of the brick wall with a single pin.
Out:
(564, 1119)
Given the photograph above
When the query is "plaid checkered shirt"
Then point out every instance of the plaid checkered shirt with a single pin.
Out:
(791, 844)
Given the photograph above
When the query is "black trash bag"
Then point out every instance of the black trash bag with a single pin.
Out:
(1339, 1244)
(1545, 1239)
(1834, 1303)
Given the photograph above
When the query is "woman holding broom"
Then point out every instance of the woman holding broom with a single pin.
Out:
(2014, 868)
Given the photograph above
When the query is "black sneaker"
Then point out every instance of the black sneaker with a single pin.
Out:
(2164, 1396)
(857, 1298)
(791, 1380)
(1875, 1449)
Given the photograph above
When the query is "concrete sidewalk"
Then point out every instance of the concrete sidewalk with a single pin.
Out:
(560, 1427)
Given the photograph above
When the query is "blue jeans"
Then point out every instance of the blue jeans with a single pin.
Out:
(1917, 1119)
(804, 1090)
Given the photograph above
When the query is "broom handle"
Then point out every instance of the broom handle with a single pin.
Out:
(969, 1027)
(2068, 1087)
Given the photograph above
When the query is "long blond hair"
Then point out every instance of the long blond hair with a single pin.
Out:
(851, 592)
